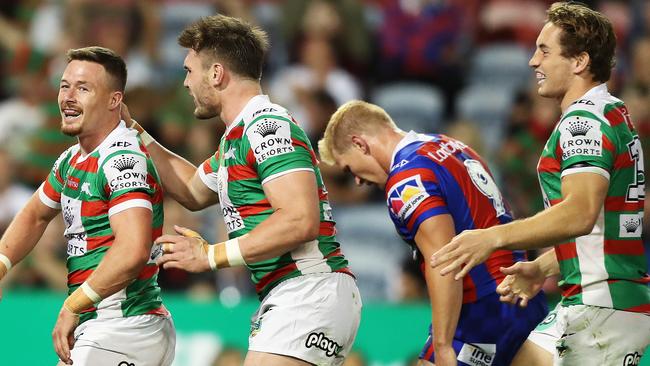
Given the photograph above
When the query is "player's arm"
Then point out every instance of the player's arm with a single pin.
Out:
(180, 178)
(524, 280)
(445, 294)
(120, 266)
(24, 232)
(295, 220)
(583, 196)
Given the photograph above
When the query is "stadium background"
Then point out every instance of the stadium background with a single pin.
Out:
(452, 66)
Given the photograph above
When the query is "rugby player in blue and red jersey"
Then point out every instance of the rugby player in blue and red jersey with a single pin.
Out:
(436, 187)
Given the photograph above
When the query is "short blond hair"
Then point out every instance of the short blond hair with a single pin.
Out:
(352, 118)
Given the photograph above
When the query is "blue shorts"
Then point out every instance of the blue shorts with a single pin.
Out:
(490, 332)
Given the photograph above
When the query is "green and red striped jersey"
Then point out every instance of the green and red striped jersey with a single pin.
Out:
(607, 267)
(89, 189)
(264, 143)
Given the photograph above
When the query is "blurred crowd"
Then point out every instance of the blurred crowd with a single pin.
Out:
(446, 66)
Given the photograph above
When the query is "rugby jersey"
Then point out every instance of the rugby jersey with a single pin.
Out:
(264, 143)
(435, 174)
(89, 189)
(607, 267)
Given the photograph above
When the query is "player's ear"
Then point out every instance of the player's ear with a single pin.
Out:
(217, 74)
(360, 143)
(116, 100)
(581, 62)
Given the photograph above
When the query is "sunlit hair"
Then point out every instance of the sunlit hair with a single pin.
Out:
(585, 30)
(111, 61)
(352, 118)
(240, 46)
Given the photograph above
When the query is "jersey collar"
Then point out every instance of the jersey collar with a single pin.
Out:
(118, 130)
(410, 137)
(253, 104)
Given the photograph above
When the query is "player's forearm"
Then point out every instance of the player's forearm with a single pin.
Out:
(548, 263)
(446, 295)
(120, 266)
(280, 233)
(547, 228)
(175, 174)
(23, 233)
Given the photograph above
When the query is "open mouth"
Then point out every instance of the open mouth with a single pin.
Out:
(70, 115)
(540, 77)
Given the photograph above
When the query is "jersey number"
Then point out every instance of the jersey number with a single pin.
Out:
(484, 182)
(636, 190)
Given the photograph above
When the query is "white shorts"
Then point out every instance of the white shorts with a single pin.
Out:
(591, 335)
(314, 318)
(143, 340)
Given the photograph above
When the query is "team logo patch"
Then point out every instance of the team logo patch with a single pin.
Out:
(270, 138)
(580, 136)
(320, 341)
(477, 354)
(405, 196)
(630, 225)
(126, 172)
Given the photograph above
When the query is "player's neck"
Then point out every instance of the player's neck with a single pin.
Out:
(235, 97)
(88, 141)
(385, 146)
(577, 89)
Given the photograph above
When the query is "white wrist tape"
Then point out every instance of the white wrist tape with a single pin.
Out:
(211, 260)
(92, 295)
(233, 253)
(146, 138)
(5, 260)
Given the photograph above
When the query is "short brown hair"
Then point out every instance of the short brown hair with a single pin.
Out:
(353, 117)
(585, 30)
(241, 46)
(111, 61)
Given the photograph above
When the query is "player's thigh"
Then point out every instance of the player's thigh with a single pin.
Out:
(254, 358)
(313, 318)
(530, 354)
(143, 340)
(422, 362)
(602, 336)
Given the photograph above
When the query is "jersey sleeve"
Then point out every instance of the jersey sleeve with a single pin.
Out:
(414, 195)
(208, 172)
(586, 144)
(50, 190)
(278, 146)
(125, 178)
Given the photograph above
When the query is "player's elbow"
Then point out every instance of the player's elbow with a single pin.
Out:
(584, 224)
(307, 227)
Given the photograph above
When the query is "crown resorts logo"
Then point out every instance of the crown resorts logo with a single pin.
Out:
(631, 225)
(578, 127)
(267, 128)
(124, 163)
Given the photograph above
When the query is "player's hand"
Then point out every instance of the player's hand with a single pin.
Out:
(465, 251)
(63, 334)
(445, 356)
(125, 115)
(187, 251)
(524, 280)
